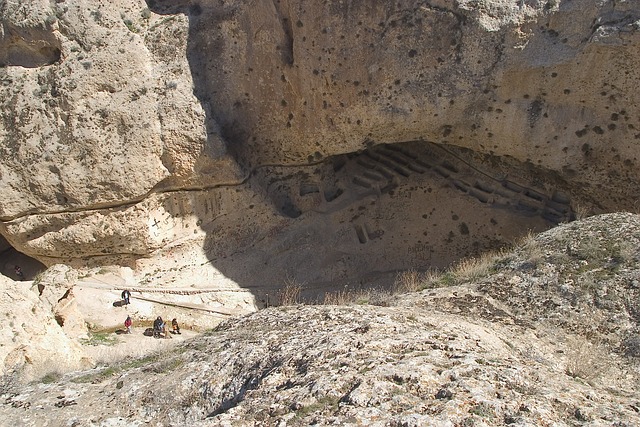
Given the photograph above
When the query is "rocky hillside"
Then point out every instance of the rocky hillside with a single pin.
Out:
(546, 334)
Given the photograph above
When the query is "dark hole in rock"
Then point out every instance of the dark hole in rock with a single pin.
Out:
(28, 47)
(10, 258)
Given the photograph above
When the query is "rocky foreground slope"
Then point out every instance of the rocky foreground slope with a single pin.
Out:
(548, 334)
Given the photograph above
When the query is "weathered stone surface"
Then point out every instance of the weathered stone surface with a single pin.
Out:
(353, 139)
(219, 149)
(296, 81)
(32, 342)
(27, 37)
(106, 123)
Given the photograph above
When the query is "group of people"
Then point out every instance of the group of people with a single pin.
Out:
(160, 327)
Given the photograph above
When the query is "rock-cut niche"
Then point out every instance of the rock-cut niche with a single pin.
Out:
(28, 47)
(362, 217)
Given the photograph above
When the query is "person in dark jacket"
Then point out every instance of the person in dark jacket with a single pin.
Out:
(125, 296)
(158, 325)
(19, 272)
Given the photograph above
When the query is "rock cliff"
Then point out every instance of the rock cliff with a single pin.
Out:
(202, 153)
(233, 145)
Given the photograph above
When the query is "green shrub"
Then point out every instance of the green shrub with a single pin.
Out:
(130, 26)
(51, 377)
(100, 338)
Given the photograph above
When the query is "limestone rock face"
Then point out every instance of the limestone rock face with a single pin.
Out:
(106, 122)
(297, 81)
(69, 317)
(240, 141)
(28, 40)
(33, 343)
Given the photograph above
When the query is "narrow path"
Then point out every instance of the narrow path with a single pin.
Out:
(192, 306)
(137, 294)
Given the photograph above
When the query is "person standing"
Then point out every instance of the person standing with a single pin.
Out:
(125, 296)
(127, 324)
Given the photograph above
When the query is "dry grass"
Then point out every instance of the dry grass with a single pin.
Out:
(586, 360)
(581, 211)
(470, 269)
(370, 296)
(338, 298)
(525, 240)
(290, 293)
(535, 253)
(407, 281)
(431, 279)
(531, 249)
(466, 270)
(413, 281)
